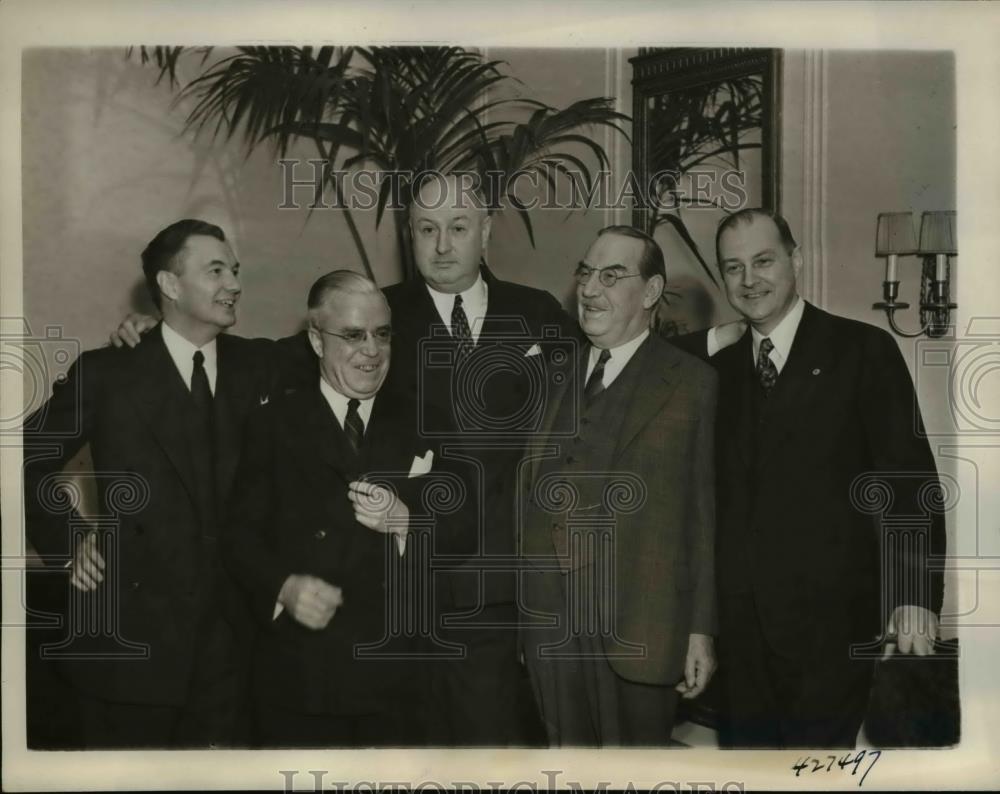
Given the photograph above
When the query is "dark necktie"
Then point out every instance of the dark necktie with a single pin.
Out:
(353, 426)
(767, 373)
(201, 393)
(203, 447)
(460, 328)
(595, 383)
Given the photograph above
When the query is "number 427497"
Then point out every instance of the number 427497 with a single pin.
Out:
(850, 760)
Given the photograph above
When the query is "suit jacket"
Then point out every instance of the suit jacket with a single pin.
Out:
(799, 524)
(162, 576)
(290, 514)
(664, 536)
(491, 406)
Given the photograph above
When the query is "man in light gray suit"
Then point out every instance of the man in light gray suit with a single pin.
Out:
(617, 526)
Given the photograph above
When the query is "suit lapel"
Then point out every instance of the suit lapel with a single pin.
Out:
(655, 383)
(234, 398)
(809, 359)
(740, 393)
(561, 392)
(332, 451)
(162, 398)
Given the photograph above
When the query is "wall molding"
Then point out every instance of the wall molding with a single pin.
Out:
(814, 177)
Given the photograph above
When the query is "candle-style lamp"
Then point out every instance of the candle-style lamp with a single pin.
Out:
(894, 238)
(937, 244)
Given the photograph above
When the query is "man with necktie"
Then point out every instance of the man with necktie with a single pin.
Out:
(809, 403)
(162, 667)
(331, 558)
(466, 349)
(618, 518)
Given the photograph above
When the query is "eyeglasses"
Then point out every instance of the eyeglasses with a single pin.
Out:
(356, 336)
(606, 275)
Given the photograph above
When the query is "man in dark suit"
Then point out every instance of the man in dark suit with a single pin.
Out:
(154, 620)
(328, 555)
(811, 404)
(472, 348)
(618, 524)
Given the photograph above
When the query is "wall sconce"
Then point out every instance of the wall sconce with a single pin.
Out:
(894, 238)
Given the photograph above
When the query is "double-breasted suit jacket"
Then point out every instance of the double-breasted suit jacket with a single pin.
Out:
(290, 514)
(158, 532)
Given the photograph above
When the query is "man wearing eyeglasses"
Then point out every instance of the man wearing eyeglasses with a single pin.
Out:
(618, 521)
(328, 554)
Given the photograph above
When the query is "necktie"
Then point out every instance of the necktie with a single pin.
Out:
(595, 383)
(767, 373)
(203, 442)
(353, 426)
(460, 330)
(201, 393)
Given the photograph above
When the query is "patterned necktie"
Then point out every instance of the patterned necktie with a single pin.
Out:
(460, 330)
(353, 426)
(595, 383)
(767, 373)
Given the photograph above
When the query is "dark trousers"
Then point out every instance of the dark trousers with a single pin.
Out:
(776, 702)
(214, 714)
(583, 701)
(484, 698)
(283, 728)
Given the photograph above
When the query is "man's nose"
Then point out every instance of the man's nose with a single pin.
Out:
(749, 276)
(592, 286)
(443, 241)
(231, 281)
(369, 346)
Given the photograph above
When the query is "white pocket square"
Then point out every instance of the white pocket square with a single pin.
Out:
(534, 350)
(421, 466)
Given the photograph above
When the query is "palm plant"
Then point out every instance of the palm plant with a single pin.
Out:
(400, 110)
(711, 122)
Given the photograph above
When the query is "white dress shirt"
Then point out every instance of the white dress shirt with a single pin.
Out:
(781, 336)
(474, 303)
(182, 353)
(338, 404)
(620, 356)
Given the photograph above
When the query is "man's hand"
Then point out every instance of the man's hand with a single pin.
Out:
(915, 628)
(699, 667)
(378, 508)
(131, 329)
(310, 600)
(87, 568)
(730, 333)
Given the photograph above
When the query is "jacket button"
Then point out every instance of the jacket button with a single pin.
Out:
(135, 585)
(320, 534)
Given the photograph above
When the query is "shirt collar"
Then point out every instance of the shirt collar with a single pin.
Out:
(474, 301)
(620, 356)
(182, 353)
(782, 336)
(338, 403)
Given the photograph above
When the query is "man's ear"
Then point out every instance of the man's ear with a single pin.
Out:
(315, 342)
(654, 289)
(797, 260)
(167, 282)
(487, 226)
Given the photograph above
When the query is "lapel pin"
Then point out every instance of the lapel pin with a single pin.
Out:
(816, 371)
(264, 399)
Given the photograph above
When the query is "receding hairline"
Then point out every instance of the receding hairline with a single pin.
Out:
(178, 261)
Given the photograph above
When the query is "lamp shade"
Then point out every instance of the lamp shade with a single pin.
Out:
(937, 233)
(894, 234)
